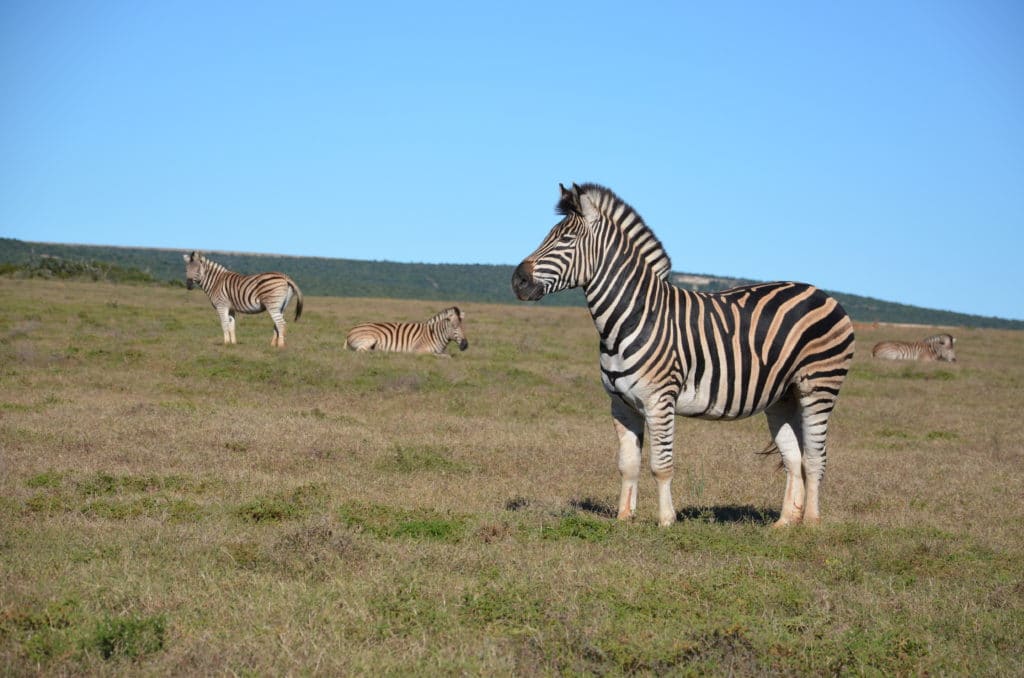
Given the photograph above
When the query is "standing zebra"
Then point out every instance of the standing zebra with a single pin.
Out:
(431, 336)
(783, 348)
(230, 292)
(935, 347)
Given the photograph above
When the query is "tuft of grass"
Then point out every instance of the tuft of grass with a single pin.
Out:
(406, 608)
(280, 507)
(927, 375)
(50, 479)
(942, 435)
(129, 637)
(387, 522)
(498, 601)
(416, 458)
(577, 526)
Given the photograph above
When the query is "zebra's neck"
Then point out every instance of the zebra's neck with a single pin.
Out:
(631, 267)
(437, 332)
(620, 300)
(624, 231)
(212, 271)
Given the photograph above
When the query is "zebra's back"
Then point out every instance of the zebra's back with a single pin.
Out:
(259, 291)
(431, 336)
(935, 347)
(389, 336)
(746, 347)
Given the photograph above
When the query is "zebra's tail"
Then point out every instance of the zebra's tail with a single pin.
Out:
(772, 448)
(298, 299)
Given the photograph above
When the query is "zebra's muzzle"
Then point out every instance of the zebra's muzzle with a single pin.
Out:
(463, 345)
(523, 284)
(189, 284)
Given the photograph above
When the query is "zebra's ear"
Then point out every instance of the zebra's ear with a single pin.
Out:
(569, 200)
(588, 208)
(188, 257)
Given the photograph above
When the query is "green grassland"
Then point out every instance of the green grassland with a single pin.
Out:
(170, 505)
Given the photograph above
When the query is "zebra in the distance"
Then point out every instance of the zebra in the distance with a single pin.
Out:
(783, 348)
(232, 292)
(431, 336)
(935, 347)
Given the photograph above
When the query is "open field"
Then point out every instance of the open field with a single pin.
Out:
(173, 506)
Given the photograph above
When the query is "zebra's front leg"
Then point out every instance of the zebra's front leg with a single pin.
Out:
(227, 325)
(661, 422)
(629, 426)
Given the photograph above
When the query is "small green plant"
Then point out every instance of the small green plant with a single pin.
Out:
(129, 637)
(942, 435)
(388, 522)
(415, 458)
(928, 375)
(286, 506)
(45, 479)
(578, 526)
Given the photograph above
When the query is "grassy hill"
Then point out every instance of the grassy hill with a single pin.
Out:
(355, 278)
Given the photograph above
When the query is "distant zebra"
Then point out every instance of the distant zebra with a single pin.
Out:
(232, 292)
(431, 336)
(935, 347)
(783, 348)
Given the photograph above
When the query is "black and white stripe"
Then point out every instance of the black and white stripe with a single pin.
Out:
(935, 347)
(232, 292)
(781, 348)
(431, 336)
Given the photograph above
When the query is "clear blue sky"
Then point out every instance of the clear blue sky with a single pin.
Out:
(875, 148)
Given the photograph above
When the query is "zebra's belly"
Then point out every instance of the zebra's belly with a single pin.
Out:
(250, 308)
(640, 391)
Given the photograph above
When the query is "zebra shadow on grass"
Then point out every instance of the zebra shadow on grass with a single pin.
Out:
(729, 513)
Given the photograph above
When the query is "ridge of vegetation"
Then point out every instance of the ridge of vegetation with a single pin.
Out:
(321, 276)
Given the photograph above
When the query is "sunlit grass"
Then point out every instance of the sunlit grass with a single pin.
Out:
(170, 505)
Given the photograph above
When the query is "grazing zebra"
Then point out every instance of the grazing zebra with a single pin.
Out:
(935, 347)
(232, 292)
(431, 336)
(783, 348)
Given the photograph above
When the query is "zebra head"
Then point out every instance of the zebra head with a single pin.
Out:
(559, 262)
(453, 318)
(600, 238)
(193, 269)
(943, 346)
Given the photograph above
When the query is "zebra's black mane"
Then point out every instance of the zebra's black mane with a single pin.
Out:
(608, 202)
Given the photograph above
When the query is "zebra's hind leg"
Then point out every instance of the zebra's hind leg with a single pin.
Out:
(815, 410)
(786, 426)
(629, 426)
(278, 338)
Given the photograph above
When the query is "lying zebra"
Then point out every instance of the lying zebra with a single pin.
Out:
(231, 292)
(935, 347)
(431, 336)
